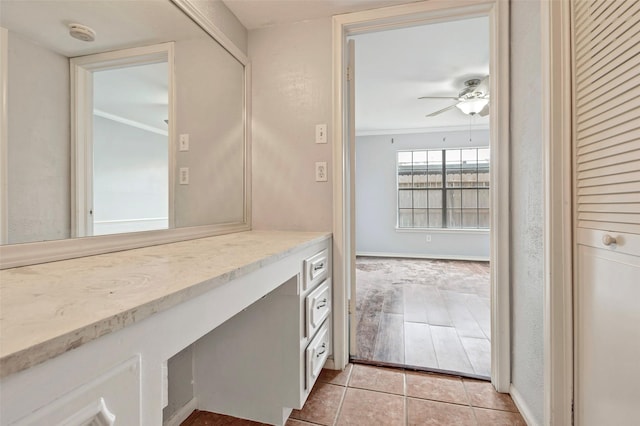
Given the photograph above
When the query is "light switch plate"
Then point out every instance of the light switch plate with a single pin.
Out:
(183, 142)
(184, 176)
(321, 133)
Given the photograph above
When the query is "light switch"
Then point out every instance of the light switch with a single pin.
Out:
(183, 142)
(321, 133)
(184, 176)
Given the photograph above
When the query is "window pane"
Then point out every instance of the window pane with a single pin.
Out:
(405, 218)
(404, 158)
(420, 199)
(435, 218)
(435, 178)
(483, 198)
(469, 218)
(420, 218)
(405, 180)
(454, 198)
(453, 178)
(483, 178)
(483, 155)
(435, 198)
(483, 218)
(419, 157)
(469, 178)
(452, 157)
(469, 156)
(434, 157)
(404, 199)
(454, 218)
(469, 198)
(419, 177)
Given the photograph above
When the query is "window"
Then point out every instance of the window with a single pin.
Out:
(444, 188)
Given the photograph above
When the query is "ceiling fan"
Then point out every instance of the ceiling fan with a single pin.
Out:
(472, 100)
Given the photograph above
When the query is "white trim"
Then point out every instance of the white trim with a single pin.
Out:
(423, 256)
(14, 255)
(414, 14)
(144, 219)
(524, 409)
(182, 414)
(441, 129)
(129, 122)
(558, 249)
(32, 253)
(4, 135)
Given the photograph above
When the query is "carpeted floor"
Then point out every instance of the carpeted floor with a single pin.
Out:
(432, 314)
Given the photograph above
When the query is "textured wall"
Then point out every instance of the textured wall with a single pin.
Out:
(527, 205)
(291, 94)
(376, 194)
(38, 155)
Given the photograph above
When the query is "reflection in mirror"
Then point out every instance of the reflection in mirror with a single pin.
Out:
(117, 167)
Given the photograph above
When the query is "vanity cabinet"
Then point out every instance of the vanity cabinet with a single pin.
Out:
(259, 326)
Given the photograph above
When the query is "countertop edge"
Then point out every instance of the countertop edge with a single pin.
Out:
(38, 353)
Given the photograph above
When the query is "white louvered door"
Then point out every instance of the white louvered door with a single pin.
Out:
(606, 79)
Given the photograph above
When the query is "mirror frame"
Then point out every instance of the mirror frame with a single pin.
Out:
(23, 254)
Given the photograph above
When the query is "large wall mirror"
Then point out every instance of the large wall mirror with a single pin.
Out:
(126, 120)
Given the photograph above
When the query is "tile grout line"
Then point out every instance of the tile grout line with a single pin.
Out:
(344, 395)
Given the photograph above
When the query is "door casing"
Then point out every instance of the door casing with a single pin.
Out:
(343, 215)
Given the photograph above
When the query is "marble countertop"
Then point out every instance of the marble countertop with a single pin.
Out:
(48, 309)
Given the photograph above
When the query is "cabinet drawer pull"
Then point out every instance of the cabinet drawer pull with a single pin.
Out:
(322, 303)
(318, 266)
(324, 349)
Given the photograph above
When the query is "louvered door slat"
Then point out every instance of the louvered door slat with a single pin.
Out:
(604, 33)
(605, 107)
(605, 90)
(611, 199)
(612, 170)
(620, 144)
(609, 180)
(611, 161)
(610, 208)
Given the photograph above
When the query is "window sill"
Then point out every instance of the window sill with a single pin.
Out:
(443, 230)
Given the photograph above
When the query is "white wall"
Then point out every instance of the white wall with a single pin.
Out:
(292, 89)
(376, 195)
(38, 127)
(291, 94)
(527, 206)
(209, 107)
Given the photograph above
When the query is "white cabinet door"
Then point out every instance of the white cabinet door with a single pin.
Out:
(607, 336)
(606, 77)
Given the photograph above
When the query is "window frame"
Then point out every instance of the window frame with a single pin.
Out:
(477, 167)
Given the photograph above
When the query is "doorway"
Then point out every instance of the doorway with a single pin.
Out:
(346, 26)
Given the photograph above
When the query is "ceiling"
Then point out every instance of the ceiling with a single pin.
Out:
(395, 67)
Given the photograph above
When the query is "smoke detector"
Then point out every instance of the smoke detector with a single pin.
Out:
(81, 32)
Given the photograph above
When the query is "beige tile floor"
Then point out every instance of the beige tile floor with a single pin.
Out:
(371, 396)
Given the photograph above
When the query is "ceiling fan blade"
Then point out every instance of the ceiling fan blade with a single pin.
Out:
(484, 86)
(485, 111)
(438, 97)
(441, 110)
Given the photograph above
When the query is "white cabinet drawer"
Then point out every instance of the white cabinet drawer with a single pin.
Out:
(318, 307)
(315, 269)
(316, 354)
(113, 398)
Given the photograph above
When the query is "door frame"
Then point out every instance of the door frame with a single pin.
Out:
(82, 112)
(4, 135)
(557, 134)
(343, 174)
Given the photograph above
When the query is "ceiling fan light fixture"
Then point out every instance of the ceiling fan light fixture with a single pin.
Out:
(472, 106)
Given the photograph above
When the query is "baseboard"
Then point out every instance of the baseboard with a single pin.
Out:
(329, 364)
(522, 406)
(182, 414)
(424, 256)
